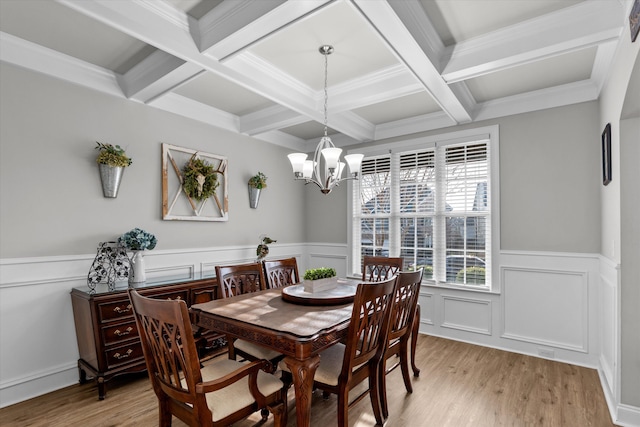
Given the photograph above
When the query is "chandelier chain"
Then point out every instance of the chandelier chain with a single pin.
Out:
(326, 92)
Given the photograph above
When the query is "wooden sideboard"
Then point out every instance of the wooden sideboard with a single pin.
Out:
(108, 340)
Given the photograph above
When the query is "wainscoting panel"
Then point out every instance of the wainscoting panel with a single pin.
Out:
(466, 314)
(427, 312)
(546, 307)
(39, 351)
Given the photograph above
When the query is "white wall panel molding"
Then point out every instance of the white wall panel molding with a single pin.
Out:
(466, 314)
(547, 307)
(564, 328)
(427, 312)
(326, 255)
(609, 334)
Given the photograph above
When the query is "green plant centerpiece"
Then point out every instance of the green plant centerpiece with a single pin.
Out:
(320, 279)
(258, 181)
(112, 155)
(200, 179)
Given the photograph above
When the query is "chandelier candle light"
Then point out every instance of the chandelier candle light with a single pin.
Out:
(326, 169)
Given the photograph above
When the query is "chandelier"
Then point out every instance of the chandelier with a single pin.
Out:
(326, 169)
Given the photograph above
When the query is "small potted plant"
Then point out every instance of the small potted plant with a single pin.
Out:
(256, 184)
(111, 160)
(320, 279)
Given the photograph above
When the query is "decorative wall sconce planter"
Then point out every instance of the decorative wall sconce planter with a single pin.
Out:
(254, 197)
(110, 176)
(111, 162)
(256, 184)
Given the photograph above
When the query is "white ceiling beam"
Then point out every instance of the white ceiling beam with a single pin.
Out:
(268, 119)
(23, 53)
(567, 94)
(379, 86)
(283, 139)
(577, 27)
(602, 63)
(156, 75)
(234, 25)
(422, 123)
(259, 70)
(195, 110)
(159, 24)
(414, 46)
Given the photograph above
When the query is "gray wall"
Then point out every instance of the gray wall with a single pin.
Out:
(550, 179)
(51, 198)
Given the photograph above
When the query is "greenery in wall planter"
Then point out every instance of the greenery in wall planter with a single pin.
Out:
(200, 179)
(112, 155)
(258, 181)
(111, 160)
(256, 184)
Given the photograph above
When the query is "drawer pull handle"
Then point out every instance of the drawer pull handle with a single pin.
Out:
(127, 331)
(120, 311)
(123, 356)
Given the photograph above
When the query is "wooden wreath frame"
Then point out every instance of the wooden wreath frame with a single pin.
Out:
(181, 207)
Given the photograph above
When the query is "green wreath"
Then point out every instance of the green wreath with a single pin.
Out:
(200, 179)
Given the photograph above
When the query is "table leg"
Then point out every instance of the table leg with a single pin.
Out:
(414, 341)
(302, 372)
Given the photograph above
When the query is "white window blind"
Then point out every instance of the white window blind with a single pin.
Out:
(430, 206)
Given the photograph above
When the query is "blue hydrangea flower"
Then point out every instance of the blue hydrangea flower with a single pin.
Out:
(138, 240)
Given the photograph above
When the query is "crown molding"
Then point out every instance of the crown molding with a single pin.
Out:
(586, 24)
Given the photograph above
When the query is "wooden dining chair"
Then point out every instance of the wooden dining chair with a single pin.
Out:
(344, 366)
(237, 280)
(281, 272)
(377, 268)
(217, 394)
(403, 317)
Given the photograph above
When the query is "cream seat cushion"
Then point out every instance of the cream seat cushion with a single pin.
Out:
(255, 350)
(237, 395)
(330, 365)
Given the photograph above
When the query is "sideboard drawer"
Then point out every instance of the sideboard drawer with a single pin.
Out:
(177, 294)
(115, 310)
(119, 333)
(124, 354)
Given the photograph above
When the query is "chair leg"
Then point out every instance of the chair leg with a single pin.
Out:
(343, 407)
(404, 363)
(414, 341)
(382, 385)
(164, 413)
(377, 389)
(264, 413)
(279, 414)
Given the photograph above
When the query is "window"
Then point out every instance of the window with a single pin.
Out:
(431, 204)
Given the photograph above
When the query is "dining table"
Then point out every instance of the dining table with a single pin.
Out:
(296, 323)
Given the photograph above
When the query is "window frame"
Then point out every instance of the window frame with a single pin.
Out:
(487, 133)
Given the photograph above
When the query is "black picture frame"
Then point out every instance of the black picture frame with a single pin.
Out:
(606, 154)
(634, 20)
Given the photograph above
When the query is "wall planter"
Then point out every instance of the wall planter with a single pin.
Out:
(111, 163)
(254, 197)
(256, 184)
(110, 176)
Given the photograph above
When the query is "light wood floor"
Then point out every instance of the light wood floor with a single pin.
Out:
(459, 385)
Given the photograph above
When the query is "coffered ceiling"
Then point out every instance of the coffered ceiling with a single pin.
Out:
(253, 66)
